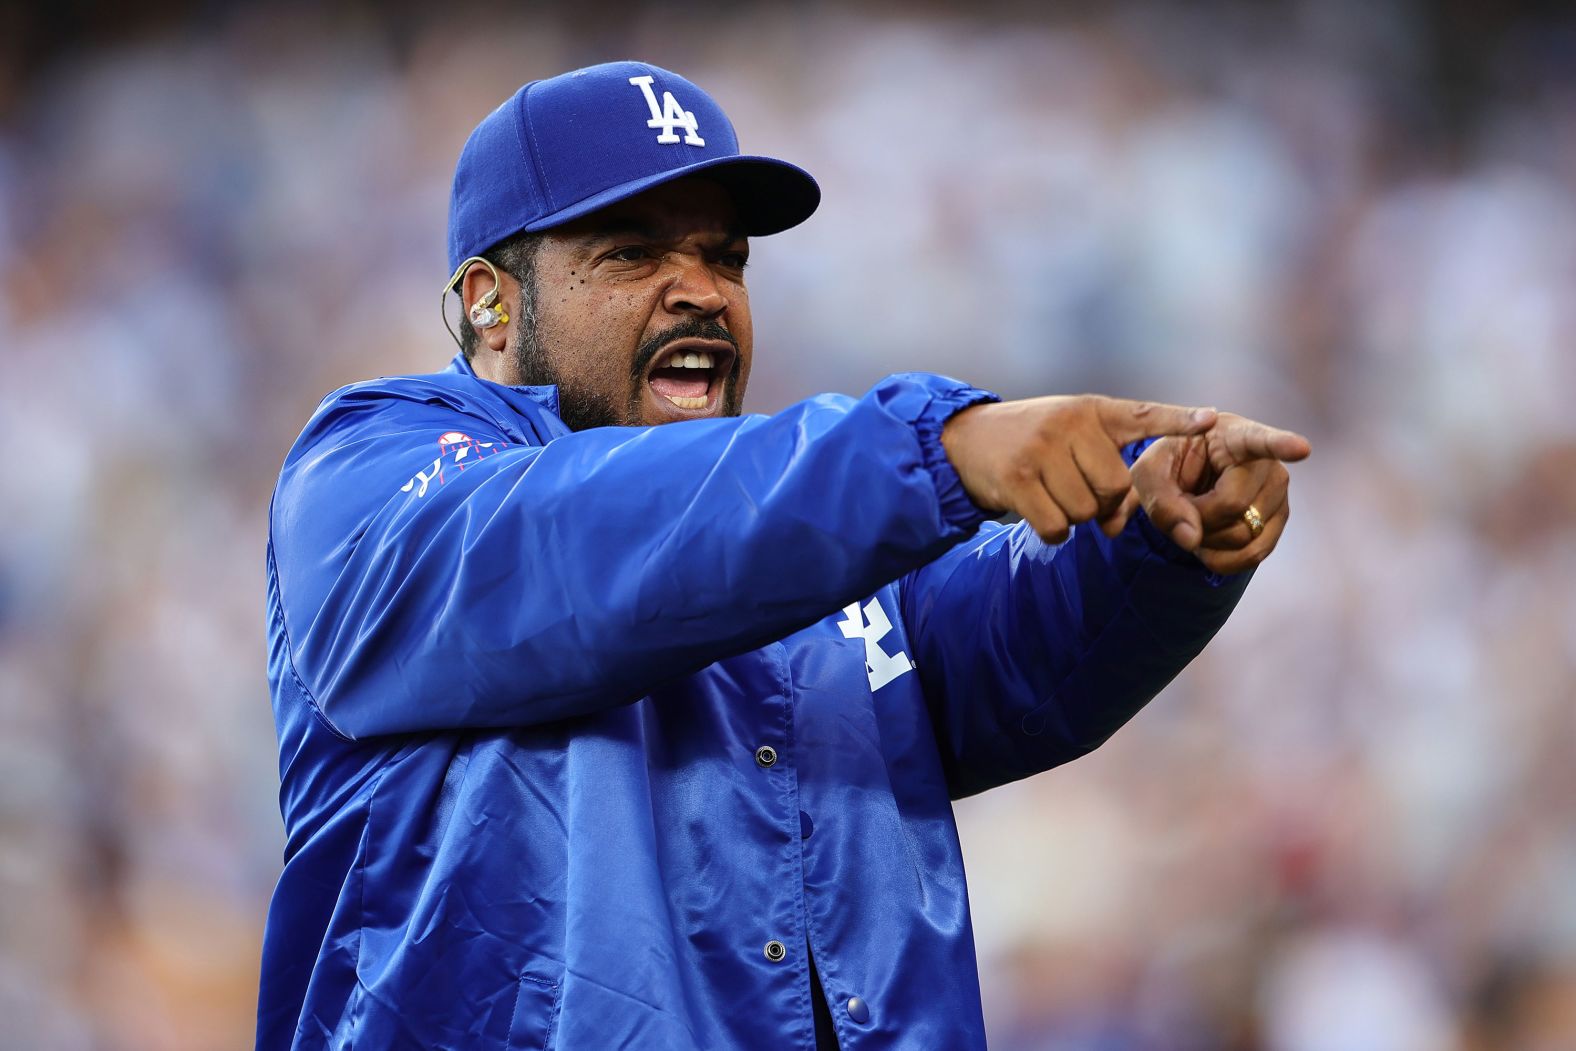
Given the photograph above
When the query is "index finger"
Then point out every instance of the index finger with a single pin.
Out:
(1130, 421)
(1243, 440)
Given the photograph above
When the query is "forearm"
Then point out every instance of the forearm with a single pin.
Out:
(557, 580)
(1032, 655)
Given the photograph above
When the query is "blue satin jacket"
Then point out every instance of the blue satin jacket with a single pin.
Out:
(589, 740)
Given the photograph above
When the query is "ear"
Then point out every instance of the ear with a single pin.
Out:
(477, 288)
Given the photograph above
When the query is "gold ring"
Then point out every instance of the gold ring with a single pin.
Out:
(1255, 521)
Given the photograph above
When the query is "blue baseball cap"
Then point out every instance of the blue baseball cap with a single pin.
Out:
(564, 147)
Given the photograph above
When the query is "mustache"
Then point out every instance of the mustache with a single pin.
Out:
(691, 328)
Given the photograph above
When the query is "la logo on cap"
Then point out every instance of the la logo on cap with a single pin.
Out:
(669, 115)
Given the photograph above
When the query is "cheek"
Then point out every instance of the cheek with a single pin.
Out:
(746, 359)
(591, 334)
(740, 324)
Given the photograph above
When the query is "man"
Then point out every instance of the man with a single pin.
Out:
(601, 733)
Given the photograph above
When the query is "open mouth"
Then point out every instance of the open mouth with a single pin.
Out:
(690, 374)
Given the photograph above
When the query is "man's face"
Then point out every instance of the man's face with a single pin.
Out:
(641, 311)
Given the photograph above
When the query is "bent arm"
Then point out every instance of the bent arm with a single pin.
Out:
(545, 581)
(1033, 654)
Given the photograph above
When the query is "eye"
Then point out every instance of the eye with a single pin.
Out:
(734, 260)
(630, 254)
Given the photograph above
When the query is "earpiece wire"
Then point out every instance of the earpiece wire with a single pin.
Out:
(443, 300)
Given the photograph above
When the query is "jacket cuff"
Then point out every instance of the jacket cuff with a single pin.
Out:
(948, 397)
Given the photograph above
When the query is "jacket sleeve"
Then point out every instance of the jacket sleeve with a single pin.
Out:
(537, 582)
(1031, 655)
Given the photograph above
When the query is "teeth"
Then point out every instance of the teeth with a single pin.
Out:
(687, 403)
(690, 360)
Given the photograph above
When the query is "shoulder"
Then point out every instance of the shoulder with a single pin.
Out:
(396, 405)
(370, 441)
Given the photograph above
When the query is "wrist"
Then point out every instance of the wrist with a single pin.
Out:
(950, 400)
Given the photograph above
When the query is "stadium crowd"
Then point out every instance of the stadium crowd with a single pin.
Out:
(1350, 826)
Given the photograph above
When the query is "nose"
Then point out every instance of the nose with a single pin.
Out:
(694, 289)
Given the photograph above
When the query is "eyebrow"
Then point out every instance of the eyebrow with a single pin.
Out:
(645, 231)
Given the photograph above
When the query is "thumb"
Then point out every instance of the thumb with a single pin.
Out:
(1175, 515)
(1116, 521)
(1130, 421)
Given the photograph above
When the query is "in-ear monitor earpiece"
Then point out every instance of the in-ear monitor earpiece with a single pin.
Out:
(485, 312)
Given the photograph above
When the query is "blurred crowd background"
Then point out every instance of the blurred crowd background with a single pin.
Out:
(1350, 826)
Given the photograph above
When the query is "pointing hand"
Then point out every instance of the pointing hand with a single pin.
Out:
(1198, 489)
(1057, 461)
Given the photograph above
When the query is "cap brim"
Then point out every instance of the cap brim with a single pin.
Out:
(770, 195)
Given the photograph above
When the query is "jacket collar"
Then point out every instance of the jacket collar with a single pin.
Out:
(545, 395)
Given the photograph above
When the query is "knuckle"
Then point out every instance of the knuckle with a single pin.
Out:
(1109, 504)
(1087, 406)
(1112, 492)
(1055, 424)
(1082, 506)
(1051, 530)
